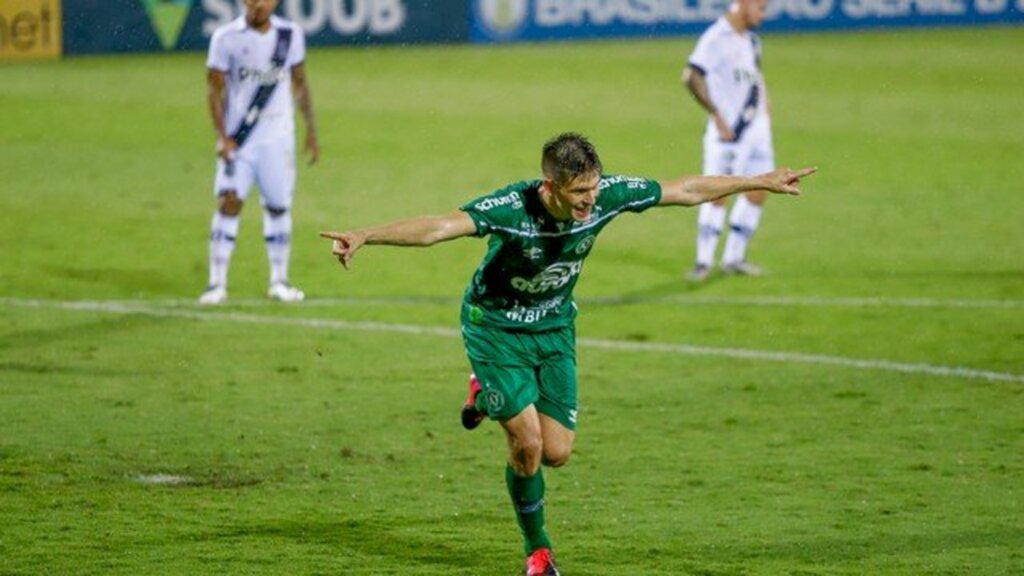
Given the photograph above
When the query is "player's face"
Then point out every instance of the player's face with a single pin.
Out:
(753, 12)
(576, 198)
(258, 11)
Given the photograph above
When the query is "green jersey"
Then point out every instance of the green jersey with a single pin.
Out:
(533, 261)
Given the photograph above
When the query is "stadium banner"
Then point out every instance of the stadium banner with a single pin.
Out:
(111, 26)
(30, 29)
(531, 20)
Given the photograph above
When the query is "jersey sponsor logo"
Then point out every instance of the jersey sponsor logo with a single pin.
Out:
(745, 76)
(511, 199)
(533, 253)
(632, 183)
(263, 77)
(551, 278)
(535, 313)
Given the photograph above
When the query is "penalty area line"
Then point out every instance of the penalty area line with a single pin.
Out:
(606, 344)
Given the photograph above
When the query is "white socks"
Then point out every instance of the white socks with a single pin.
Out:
(277, 232)
(743, 221)
(223, 231)
(710, 219)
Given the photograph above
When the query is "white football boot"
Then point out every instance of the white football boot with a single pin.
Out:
(213, 295)
(742, 268)
(699, 273)
(285, 292)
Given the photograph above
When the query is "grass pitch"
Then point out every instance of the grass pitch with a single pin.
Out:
(855, 411)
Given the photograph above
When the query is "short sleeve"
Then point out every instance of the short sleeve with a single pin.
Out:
(298, 51)
(629, 194)
(500, 210)
(218, 58)
(705, 55)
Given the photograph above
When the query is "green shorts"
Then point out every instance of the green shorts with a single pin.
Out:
(517, 369)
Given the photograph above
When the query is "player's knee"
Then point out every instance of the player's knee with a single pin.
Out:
(526, 453)
(276, 211)
(556, 457)
(229, 204)
(530, 447)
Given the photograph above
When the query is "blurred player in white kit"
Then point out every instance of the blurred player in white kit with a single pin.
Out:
(254, 65)
(724, 75)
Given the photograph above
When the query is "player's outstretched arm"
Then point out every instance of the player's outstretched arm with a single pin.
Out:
(421, 231)
(693, 190)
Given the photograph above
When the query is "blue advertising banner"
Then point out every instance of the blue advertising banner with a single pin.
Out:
(111, 26)
(519, 20)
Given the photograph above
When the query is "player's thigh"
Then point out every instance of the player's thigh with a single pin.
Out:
(558, 441)
(720, 158)
(236, 176)
(761, 159)
(275, 174)
(505, 364)
(506, 389)
(559, 398)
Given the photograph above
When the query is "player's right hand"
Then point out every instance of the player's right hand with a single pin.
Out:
(344, 245)
(725, 132)
(226, 147)
(785, 180)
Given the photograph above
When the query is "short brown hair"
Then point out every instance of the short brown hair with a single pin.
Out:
(568, 156)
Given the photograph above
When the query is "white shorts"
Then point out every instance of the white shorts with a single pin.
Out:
(267, 164)
(751, 155)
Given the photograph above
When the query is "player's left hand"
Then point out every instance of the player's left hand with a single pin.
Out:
(344, 246)
(785, 180)
(312, 148)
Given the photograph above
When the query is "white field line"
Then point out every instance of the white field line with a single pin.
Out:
(677, 300)
(621, 345)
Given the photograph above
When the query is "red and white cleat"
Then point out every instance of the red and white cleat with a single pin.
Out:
(541, 563)
(471, 417)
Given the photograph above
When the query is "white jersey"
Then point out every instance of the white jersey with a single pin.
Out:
(731, 64)
(246, 56)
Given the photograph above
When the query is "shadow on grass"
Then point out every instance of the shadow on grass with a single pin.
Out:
(89, 335)
(838, 551)
(52, 369)
(421, 542)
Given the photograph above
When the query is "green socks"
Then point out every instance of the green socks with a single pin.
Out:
(528, 500)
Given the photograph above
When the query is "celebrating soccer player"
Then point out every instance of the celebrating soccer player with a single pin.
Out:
(518, 312)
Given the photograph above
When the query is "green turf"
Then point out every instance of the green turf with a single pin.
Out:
(337, 449)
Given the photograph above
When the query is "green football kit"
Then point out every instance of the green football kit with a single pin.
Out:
(518, 312)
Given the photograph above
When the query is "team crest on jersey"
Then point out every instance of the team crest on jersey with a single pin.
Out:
(584, 246)
(495, 401)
